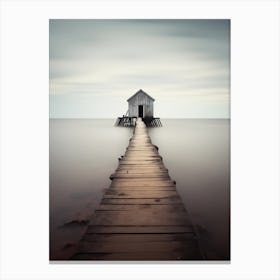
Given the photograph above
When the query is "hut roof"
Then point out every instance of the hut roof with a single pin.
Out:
(140, 91)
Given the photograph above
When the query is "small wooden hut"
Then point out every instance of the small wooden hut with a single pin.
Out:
(140, 105)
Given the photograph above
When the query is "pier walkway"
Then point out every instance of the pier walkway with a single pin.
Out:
(141, 216)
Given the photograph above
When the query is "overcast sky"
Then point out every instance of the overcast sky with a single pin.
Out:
(96, 65)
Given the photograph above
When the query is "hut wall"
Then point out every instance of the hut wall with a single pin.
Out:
(140, 99)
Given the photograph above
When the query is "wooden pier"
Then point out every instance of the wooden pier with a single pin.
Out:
(141, 216)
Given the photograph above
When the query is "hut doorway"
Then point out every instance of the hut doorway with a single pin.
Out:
(140, 111)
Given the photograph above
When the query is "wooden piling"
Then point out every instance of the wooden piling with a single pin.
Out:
(141, 215)
(131, 121)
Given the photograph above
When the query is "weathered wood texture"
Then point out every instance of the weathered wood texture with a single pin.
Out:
(141, 98)
(141, 216)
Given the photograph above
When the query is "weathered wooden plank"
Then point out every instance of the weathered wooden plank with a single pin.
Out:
(152, 207)
(133, 247)
(138, 237)
(141, 256)
(145, 168)
(142, 153)
(143, 217)
(143, 188)
(141, 161)
(140, 194)
(139, 173)
(173, 200)
(132, 176)
(142, 182)
(139, 229)
(141, 170)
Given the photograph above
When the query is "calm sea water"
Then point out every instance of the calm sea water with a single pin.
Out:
(84, 153)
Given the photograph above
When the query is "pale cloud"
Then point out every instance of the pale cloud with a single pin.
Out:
(95, 65)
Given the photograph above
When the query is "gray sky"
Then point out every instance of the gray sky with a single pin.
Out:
(96, 65)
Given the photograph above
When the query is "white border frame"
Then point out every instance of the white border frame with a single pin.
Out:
(255, 138)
